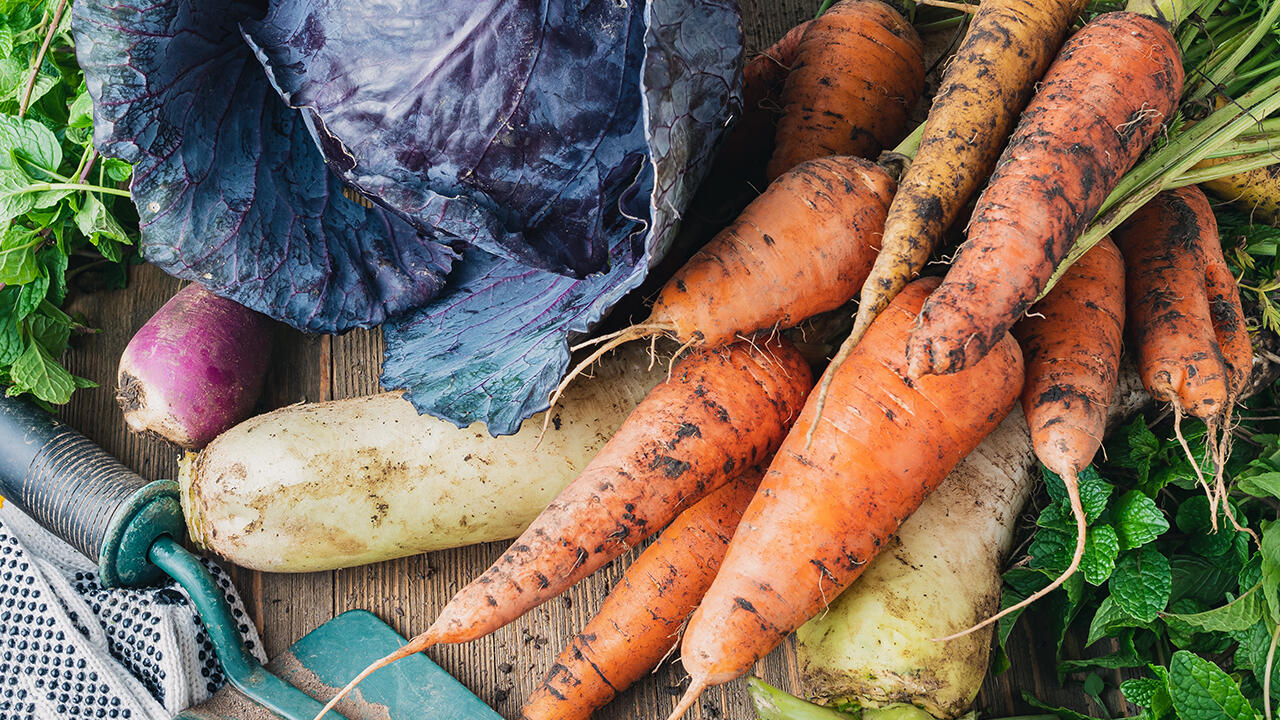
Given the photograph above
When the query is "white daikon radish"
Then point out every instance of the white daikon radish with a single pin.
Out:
(875, 645)
(335, 484)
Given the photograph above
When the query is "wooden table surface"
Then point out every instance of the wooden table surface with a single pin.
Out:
(503, 668)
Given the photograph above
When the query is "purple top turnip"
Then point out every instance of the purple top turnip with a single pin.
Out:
(194, 369)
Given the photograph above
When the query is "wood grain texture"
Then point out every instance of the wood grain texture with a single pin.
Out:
(503, 668)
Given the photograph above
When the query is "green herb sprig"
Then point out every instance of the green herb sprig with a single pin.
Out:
(63, 208)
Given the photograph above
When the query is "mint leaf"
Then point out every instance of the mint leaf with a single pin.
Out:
(1270, 552)
(1141, 583)
(1061, 712)
(11, 346)
(1057, 516)
(1108, 617)
(1265, 484)
(30, 141)
(117, 170)
(1149, 693)
(36, 372)
(1200, 690)
(1100, 551)
(1137, 520)
(17, 256)
(54, 262)
(1142, 448)
(31, 295)
(1239, 614)
(1194, 520)
(1126, 657)
(1094, 491)
(96, 223)
(1201, 579)
(1052, 549)
(49, 331)
(15, 198)
(80, 112)
(1251, 654)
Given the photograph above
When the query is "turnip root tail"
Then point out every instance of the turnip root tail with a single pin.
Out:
(417, 644)
(1072, 483)
(607, 343)
(689, 698)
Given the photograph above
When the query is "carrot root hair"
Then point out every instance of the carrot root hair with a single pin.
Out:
(1195, 464)
(688, 699)
(417, 644)
(860, 325)
(606, 343)
(1077, 510)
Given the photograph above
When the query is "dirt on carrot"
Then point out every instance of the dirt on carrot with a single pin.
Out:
(801, 248)
(1101, 103)
(1071, 342)
(1006, 50)
(640, 621)
(824, 511)
(723, 411)
(859, 69)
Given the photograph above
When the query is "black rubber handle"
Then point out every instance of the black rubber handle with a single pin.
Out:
(74, 489)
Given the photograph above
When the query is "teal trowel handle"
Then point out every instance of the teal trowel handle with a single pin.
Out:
(74, 489)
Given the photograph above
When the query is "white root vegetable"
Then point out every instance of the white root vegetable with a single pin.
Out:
(336, 484)
(875, 644)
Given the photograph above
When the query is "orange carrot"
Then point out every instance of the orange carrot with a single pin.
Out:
(639, 623)
(1169, 244)
(722, 411)
(1101, 103)
(801, 248)
(1168, 306)
(1228, 317)
(858, 72)
(749, 144)
(822, 512)
(1006, 50)
(1071, 343)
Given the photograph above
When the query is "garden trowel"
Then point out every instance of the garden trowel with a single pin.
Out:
(132, 528)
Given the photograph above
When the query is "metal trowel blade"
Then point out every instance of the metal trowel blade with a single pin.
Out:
(329, 656)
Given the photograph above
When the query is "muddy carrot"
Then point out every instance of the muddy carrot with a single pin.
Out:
(859, 69)
(824, 511)
(639, 623)
(722, 411)
(1100, 105)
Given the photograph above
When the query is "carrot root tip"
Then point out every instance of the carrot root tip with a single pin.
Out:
(607, 343)
(417, 644)
(1077, 510)
(688, 699)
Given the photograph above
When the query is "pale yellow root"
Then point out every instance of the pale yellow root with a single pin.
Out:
(1077, 510)
(417, 644)
(688, 699)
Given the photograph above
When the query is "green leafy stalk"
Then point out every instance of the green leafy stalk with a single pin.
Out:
(1207, 80)
(65, 214)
